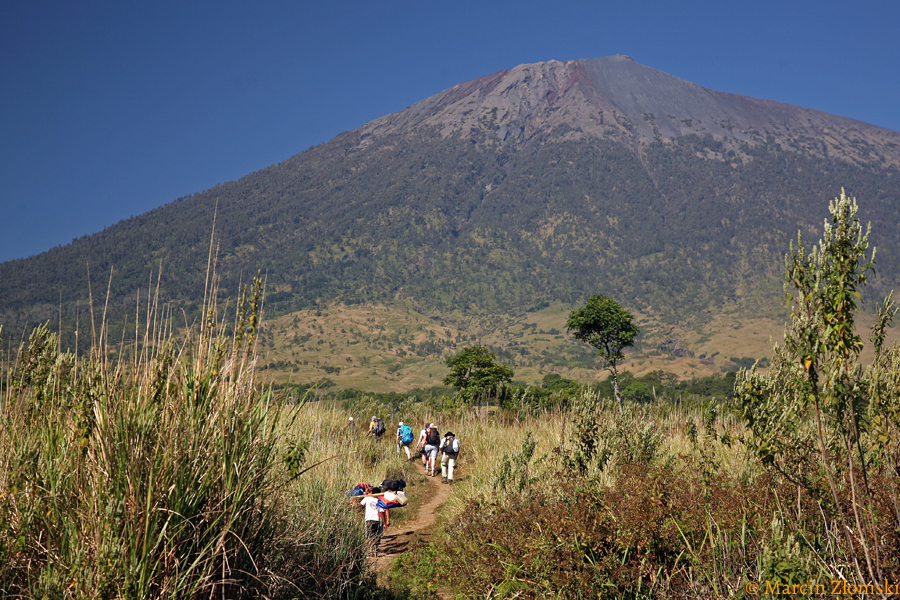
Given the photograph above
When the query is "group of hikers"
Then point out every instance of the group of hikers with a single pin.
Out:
(377, 501)
(429, 445)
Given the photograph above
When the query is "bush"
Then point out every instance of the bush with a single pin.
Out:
(646, 537)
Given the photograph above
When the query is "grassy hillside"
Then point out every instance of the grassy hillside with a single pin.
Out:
(380, 348)
(395, 348)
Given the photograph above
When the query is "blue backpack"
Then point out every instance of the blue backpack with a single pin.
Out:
(406, 434)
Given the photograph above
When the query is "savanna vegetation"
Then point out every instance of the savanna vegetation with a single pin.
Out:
(174, 471)
(171, 472)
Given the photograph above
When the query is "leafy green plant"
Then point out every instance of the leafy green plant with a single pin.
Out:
(475, 373)
(810, 416)
(596, 440)
(514, 473)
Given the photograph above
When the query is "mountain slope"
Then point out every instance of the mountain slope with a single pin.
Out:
(544, 183)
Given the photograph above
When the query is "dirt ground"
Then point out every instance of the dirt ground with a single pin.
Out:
(397, 540)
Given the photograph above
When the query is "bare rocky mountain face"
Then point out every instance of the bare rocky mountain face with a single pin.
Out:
(545, 183)
(617, 98)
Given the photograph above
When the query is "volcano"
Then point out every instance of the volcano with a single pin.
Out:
(545, 183)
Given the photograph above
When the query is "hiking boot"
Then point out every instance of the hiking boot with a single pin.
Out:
(443, 480)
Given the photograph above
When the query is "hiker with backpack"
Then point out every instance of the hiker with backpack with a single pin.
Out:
(376, 428)
(432, 440)
(404, 439)
(393, 496)
(450, 451)
(420, 445)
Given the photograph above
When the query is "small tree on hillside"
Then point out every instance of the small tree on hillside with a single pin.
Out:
(609, 328)
(475, 372)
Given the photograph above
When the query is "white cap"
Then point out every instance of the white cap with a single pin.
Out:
(401, 423)
(350, 419)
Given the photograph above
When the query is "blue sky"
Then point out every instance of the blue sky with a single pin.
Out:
(110, 109)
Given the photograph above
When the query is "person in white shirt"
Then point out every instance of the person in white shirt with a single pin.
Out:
(450, 450)
(374, 528)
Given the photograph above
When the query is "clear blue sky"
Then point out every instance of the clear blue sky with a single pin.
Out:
(110, 109)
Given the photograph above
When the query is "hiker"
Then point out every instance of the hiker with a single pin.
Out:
(449, 450)
(404, 439)
(376, 428)
(389, 497)
(373, 523)
(420, 445)
(432, 440)
(384, 499)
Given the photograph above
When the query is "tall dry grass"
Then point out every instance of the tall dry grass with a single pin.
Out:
(162, 473)
(681, 435)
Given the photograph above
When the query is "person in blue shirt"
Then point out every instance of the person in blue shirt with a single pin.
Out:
(404, 439)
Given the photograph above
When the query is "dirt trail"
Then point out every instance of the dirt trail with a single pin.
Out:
(396, 540)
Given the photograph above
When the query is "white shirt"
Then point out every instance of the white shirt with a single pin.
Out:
(371, 504)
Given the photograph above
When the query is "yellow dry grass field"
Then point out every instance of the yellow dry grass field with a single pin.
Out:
(381, 348)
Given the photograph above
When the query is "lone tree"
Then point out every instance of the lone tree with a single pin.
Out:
(475, 372)
(609, 328)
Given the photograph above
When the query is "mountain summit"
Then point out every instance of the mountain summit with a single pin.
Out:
(615, 97)
(545, 183)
